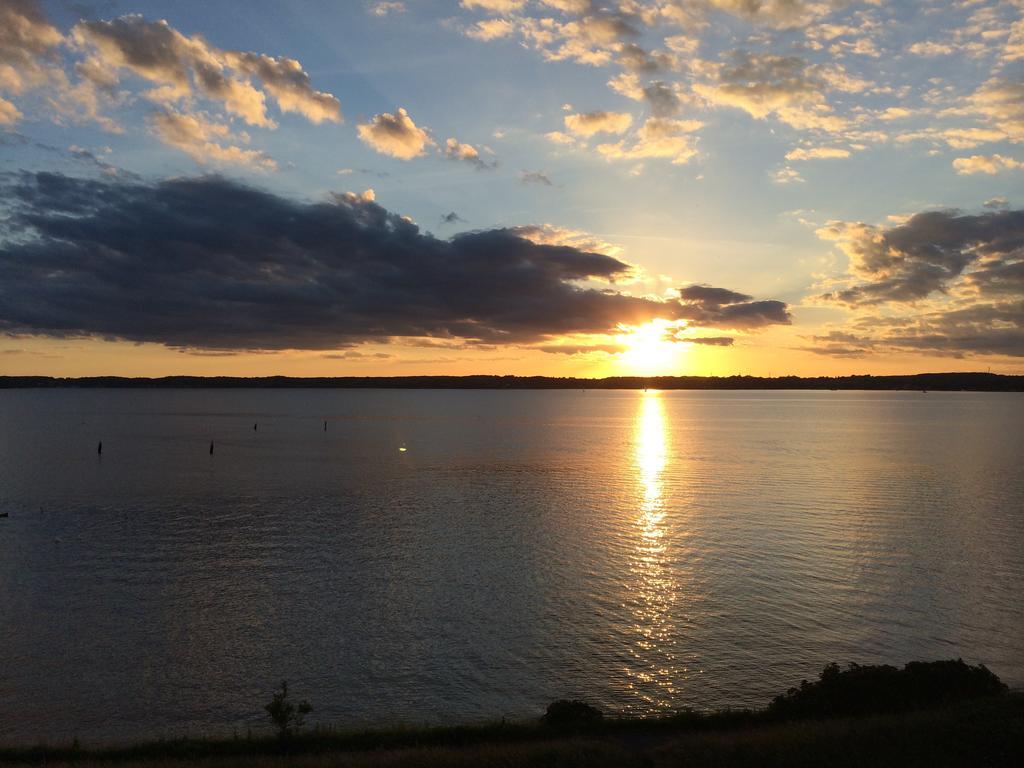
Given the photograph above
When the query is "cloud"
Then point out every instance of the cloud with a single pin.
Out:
(570, 6)
(928, 252)
(30, 60)
(179, 66)
(627, 84)
(491, 29)
(387, 8)
(582, 349)
(534, 177)
(9, 114)
(710, 307)
(713, 341)
(456, 150)
(395, 135)
(594, 38)
(658, 137)
(815, 153)
(210, 263)
(493, 6)
(787, 176)
(549, 234)
(780, 14)
(662, 99)
(289, 85)
(787, 87)
(354, 354)
(452, 218)
(991, 164)
(931, 48)
(27, 47)
(557, 137)
(711, 296)
(895, 113)
(1000, 101)
(633, 58)
(202, 140)
(981, 330)
(996, 203)
(590, 123)
(159, 53)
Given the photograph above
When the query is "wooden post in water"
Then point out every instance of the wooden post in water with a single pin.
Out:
(211, 447)
(99, 449)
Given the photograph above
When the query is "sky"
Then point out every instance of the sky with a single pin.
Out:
(549, 187)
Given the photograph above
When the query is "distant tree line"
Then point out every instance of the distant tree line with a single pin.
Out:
(975, 382)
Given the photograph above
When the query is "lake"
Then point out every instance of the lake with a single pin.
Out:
(642, 551)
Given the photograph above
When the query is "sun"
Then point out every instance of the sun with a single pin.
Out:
(650, 350)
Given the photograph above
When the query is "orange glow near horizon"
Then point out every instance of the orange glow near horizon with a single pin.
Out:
(640, 351)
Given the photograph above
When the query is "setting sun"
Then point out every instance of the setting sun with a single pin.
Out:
(651, 350)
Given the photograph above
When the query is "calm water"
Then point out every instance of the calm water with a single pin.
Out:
(641, 551)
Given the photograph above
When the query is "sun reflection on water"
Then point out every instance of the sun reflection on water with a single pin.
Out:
(653, 669)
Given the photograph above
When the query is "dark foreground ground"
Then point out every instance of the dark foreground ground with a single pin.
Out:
(931, 714)
(988, 733)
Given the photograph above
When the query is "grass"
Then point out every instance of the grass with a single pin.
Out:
(935, 714)
(983, 732)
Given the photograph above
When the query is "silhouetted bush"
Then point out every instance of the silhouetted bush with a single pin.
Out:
(286, 716)
(571, 714)
(859, 690)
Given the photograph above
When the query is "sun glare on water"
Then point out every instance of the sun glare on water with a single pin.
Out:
(650, 350)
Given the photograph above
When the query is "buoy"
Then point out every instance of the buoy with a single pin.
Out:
(255, 427)
(402, 449)
(211, 447)
(99, 448)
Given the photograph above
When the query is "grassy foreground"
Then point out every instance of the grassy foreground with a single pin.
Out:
(824, 723)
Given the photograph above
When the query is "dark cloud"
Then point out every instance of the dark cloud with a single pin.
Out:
(839, 344)
(210, 263)
(662, 99)
(534, 177)
(713, 341)
(90, 158)
(710, 296)
(635, 59)
(452, 218)
(13, 139)
(582, 349)
(929, 252)
(712, 307)
(353, 354)
(982, 329)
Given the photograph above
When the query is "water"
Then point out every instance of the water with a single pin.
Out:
(641, 551)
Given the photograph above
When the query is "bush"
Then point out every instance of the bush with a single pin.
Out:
(286, 716)
(571, 714)
(860, 690)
